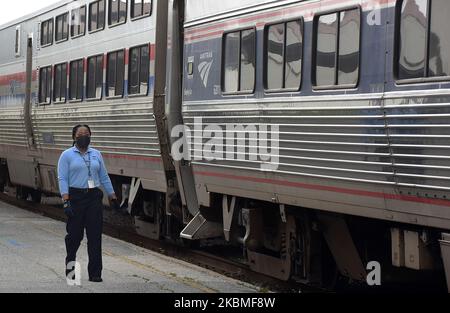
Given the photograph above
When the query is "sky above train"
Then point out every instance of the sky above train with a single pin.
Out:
(15, 9)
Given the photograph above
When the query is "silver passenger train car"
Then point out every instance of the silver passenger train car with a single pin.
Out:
(89, 62)
(314, 133)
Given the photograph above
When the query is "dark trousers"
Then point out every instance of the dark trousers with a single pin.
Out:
(88, 209)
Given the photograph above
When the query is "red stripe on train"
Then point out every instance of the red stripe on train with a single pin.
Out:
(18, 77)
(199, 32)
(354, 192)
(132, 158)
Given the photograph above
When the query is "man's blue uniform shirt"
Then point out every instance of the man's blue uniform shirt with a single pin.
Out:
(73, 171)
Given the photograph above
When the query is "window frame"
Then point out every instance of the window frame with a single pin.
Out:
(18, 40)
(52, 20)
(125, 87)
(90, 31)
(83, 61)
(67, 83)
(109, 15)
(314, 49)
(140, 16)
(85, 21)
(68, 28)
(222, 67)
(41, 103)
(147, 93)
(396, 63)
(266, 43)
(87, 77)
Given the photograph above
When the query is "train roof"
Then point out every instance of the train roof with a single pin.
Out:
(37, 13)
(198, 10)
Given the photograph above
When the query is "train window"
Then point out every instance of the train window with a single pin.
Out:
(139, 70)
(283, 56)
(422, 52)
(97, 15)
(94, 82)
(62, 27)
(248, 58)
(439, 54)
(76, 80)
(239, 61)
(47, 32)
(326, 50)
(17, 41)
(78, 25)
(337, 49)
(45, 85)
(231, 63)
(115, 74)
(141, 8)
(60, 83)
(117, 12)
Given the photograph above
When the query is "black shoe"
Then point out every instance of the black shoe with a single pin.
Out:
(96, 280)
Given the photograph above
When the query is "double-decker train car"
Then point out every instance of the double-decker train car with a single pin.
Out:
(312, 134)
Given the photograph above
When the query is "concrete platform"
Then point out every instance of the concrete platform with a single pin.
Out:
(32, 253)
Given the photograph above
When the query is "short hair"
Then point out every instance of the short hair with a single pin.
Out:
(76, 128)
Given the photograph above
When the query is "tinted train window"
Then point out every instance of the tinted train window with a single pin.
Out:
(45, 85)
(97, 15)
(139, 70)
(47, 32)
(423, 50)
(117, 12)
(115, 73)
(284, 52)
(239, 61)
(76, 80)
(17, 41)
(94, 83)
(78, 25)
(140, 8)
(337, 49)
(60, 83)
(62, 27)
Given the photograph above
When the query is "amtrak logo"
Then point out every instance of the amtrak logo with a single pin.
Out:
(204, 69)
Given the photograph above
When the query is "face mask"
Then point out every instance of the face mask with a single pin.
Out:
(83, 142)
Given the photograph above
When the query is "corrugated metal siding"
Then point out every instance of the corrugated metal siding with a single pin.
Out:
(12, 128)
(344, 140)
(419, 130)
(127, 129)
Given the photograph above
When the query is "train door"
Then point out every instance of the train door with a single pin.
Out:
(33, 151)
(28, 97)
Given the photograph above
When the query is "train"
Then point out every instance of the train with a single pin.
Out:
(312, 135)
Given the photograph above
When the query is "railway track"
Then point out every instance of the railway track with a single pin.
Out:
(222, 265)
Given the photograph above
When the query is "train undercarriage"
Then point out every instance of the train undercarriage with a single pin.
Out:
(316, 248)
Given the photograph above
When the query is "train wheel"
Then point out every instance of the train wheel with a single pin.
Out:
(312, 261)
(21, 193)
(36, 196)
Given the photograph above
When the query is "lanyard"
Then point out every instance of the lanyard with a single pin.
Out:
(88, 164)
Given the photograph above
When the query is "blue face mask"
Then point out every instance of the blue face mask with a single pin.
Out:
(83, 142)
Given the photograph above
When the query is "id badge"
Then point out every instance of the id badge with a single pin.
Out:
(91, 184)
